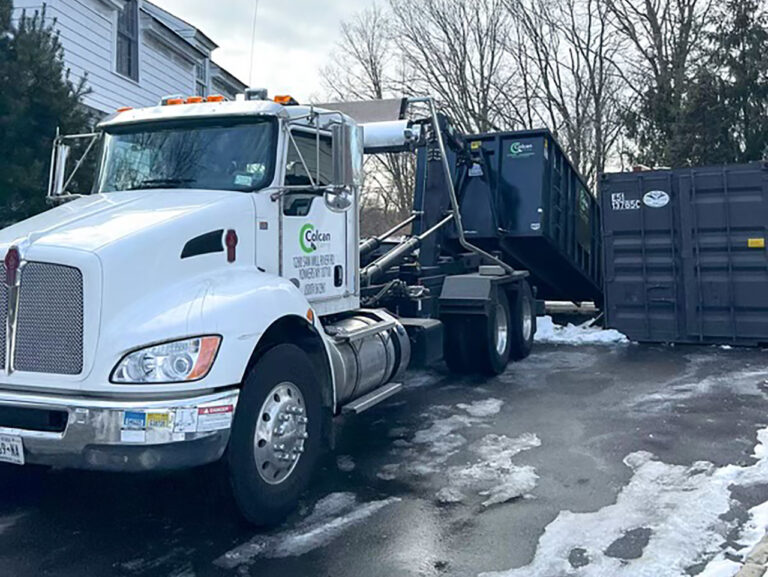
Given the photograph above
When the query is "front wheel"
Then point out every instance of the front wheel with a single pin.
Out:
(276, 435)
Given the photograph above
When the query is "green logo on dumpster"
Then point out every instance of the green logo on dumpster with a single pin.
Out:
(520, 150)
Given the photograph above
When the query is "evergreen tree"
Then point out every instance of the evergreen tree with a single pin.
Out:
(707, 135)
(37, 95)
(741, 53)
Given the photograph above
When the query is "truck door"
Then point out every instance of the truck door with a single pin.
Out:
(315, 253)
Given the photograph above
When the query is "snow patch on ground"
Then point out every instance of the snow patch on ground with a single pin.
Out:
(449, 495)
(680, 506)
(494, 475)
(491, 474)
(175, 560)
(688, 386)
(441, 440)
(331, 517)
(548, 332)
(9, 521)
(480, 409)
(420, 378)
(426, 453)
(345, 463)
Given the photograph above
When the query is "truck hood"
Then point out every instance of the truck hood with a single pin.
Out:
(94, 222)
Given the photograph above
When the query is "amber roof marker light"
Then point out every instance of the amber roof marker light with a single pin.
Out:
(286, 100)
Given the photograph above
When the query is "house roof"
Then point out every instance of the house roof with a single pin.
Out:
(190, 34)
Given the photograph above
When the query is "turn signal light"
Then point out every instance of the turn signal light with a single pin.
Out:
(194, 100)
(215, 98)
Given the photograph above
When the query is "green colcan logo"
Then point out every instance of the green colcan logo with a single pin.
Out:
(310, 238)
(520, 149)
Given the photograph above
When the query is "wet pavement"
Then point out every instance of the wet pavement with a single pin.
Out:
(635, 460)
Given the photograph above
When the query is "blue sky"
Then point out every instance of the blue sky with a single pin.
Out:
(293, 38)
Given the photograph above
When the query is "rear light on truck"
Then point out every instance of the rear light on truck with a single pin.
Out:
(173, 362)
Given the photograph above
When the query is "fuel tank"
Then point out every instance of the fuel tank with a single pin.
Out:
(369, 349)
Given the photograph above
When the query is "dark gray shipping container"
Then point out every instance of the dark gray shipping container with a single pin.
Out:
(685, 254)
(523, 197)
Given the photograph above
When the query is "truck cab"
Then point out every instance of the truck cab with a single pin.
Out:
(204, 302)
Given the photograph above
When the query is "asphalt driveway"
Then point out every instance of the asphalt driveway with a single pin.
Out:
(592, 460)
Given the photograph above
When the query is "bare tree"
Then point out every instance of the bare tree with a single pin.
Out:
(454, 50)
(361, 65)
(565, 50)
(365, 66)
(492, 65)
(666, 37)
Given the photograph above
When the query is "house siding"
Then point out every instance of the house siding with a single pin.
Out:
(87, 30)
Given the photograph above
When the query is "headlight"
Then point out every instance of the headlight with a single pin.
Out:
(175, 362)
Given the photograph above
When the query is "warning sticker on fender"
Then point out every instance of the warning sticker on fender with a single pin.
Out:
(214, 418)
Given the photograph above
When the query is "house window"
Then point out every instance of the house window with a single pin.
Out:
(201, 78)
(128, 40)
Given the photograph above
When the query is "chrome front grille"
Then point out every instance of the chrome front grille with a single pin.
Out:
(3, 315)
(49, 332)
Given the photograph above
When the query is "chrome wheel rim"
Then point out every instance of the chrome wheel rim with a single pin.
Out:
(280, 434)
(502, 329)
(527, 319)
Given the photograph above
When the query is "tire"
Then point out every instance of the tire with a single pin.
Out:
(479, 344)
(458, 348)
(281, 390)
(523, 326)
(494, 341)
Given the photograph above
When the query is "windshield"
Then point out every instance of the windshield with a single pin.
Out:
(232, 155)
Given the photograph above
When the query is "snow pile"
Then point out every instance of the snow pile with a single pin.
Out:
(680, 507)
(549, 332)
(332, 516)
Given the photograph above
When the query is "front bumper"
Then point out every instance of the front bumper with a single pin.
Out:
(119, 435)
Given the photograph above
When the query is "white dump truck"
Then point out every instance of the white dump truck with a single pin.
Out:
(209, 299)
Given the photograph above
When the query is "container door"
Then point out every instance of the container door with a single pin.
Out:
(725, 215)
(643, 265)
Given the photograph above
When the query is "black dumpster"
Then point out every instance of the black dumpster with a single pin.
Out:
(685, 255)
(520, 195)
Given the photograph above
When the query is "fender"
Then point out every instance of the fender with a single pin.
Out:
(239, 304)
(248, 306)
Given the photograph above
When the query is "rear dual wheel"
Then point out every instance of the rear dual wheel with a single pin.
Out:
(484, 344)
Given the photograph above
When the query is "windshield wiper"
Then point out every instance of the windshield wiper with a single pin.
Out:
(161, 183)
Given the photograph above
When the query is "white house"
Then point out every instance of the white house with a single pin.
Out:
(133, 52)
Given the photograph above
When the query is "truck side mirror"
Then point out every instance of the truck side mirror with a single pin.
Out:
(342, 156)
(57, 180)
(347, 170)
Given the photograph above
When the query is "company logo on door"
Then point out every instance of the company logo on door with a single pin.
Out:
(520, 150)
(310, 238)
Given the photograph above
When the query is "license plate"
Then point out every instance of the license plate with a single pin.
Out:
(11, 450)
